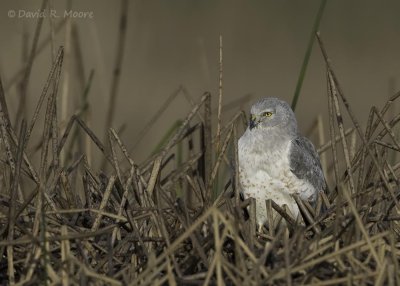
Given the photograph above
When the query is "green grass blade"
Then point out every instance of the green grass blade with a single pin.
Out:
(308, 54)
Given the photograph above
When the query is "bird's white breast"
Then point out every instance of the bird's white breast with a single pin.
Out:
(264, 173)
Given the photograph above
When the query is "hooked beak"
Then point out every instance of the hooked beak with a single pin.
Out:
(253, 122)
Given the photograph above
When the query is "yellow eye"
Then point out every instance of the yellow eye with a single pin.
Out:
(267, 114)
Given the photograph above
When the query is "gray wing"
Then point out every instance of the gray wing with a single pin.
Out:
(305, 163)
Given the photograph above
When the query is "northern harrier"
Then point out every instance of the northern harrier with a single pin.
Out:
(275, 161)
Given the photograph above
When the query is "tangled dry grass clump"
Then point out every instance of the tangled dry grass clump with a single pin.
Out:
(177, 220)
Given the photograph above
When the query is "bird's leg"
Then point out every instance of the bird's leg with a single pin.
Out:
(259, 227)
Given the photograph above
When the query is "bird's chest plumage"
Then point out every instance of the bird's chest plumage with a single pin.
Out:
(264, 172)
(264, 164)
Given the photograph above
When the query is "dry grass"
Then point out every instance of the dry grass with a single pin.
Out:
(176, 219)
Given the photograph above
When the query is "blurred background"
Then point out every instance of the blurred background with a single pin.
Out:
(176, 43)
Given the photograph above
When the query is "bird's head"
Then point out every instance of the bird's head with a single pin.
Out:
(272, 114)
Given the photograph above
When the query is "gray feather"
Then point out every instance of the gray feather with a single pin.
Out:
(305, 163)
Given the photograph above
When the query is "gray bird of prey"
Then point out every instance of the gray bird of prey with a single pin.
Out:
(275, 161)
